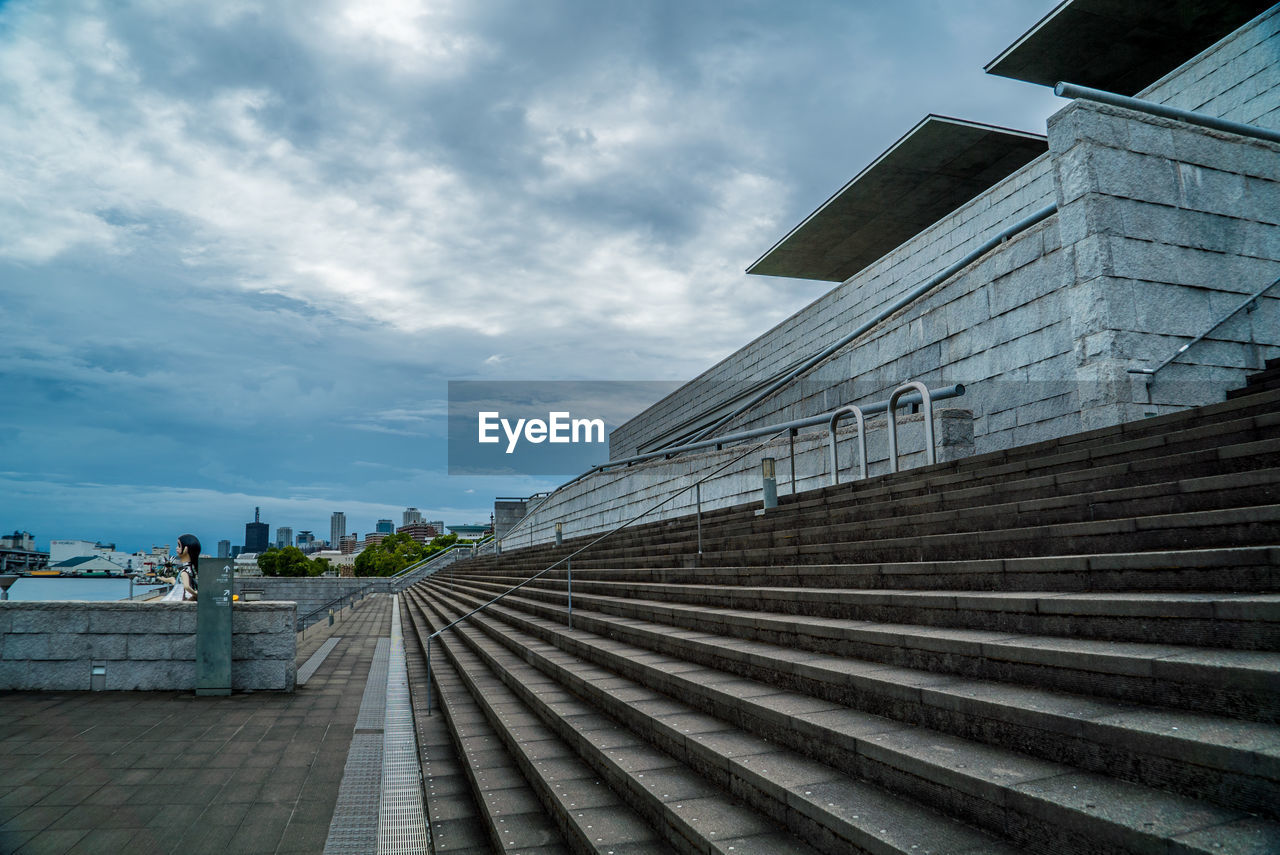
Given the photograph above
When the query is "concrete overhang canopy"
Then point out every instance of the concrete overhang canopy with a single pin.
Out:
(1121, 46)
(935, 168)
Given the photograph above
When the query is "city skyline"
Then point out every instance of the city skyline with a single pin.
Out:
(211, 543)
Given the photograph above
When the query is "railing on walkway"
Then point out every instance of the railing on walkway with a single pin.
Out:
(1249, 303)
(908, 393)
(415, 573)
(793, 427)
(318, 614)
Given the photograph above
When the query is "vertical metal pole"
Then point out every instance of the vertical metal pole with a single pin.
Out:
(768, 472)
(428, 675)
(559, 534)
(698, 490)
(791, 434)
(570, 562)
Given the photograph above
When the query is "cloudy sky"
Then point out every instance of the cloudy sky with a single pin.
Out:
(244, 245)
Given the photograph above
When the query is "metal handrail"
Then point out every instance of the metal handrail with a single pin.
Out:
(1164, 111)
(439, 554)
(861, 419)
(1252, 298)
(931, 453)
(302, 622)
(945, 393)
(568, 559)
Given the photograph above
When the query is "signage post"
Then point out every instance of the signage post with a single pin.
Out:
(213, 627)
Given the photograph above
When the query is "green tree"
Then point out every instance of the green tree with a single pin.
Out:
(389, 557)
(290, 561)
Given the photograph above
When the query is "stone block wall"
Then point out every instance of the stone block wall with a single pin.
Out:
(53, 646)
(1234, 79)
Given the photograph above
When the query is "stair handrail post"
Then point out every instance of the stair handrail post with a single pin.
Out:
(931, 453)
(861, 421)
(428, 675)
(569, 583)
(698, 499)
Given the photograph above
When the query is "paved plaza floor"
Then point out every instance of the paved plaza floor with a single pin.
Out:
(167, 772)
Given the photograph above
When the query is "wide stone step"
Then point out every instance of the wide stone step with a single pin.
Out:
(1242, 569)
(1224, 448)
(1238, 621)
(1232, 762)
(689, 812)
(1178, 482)
(562, 790)
(1241, 444)
(886, 520)
(685, 757)
(510, 818)
(453, 817)
(1227, 682)
(1044, 805)
(1263, 381)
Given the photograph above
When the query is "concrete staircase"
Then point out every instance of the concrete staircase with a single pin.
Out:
(1069, 647)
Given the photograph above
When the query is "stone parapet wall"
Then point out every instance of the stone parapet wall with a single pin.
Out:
(53, 646)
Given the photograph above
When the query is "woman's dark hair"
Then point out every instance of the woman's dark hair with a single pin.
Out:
(192, 543)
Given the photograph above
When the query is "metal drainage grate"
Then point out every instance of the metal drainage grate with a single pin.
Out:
(354, 827)
(402, 828)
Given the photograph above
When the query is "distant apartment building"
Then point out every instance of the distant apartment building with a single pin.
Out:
(224, 549)
(419, 531)
(284, 536)
(411, 516)
(256, 534)
(385, 527)
(373, 538)
(349, 543)
(337, 528)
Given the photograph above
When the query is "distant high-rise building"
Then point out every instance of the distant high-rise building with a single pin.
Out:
(438, 525)
(412, 515)
(419, 531)
(385, 527)
(337, 527)
(284, 536)
(224, 549)
(236, 550)
(256, 534)
(306, 541)
(373, 538)
(348, 542)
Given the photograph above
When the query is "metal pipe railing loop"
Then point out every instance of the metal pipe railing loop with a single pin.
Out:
(861, 421)
(931, 453)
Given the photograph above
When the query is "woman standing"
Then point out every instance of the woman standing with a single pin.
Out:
(184, 581)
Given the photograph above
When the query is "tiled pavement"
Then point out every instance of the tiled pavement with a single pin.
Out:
(167, 772)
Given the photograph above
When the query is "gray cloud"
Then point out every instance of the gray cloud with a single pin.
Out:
(243, 245)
